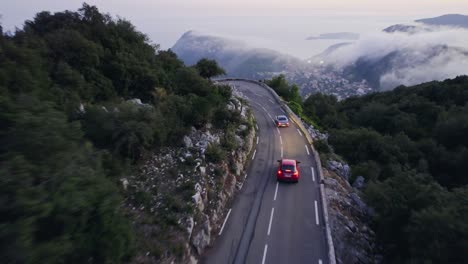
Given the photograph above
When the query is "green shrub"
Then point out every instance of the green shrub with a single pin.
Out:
(228, 142)
(322, 146)
(214, 153)
(295, 107)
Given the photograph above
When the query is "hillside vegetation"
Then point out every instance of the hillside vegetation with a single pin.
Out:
(411, 146)
(69, 131)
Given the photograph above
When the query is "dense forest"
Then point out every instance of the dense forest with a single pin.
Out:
(411, 145)
(83, 97)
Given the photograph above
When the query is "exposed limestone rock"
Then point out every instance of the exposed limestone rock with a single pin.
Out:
(136, 101)
(81, 109)
(190, 225)
(315, 133)
(188, 142)
(339, 168)
(197, 199)
(231, 106)
(124, 183)
(178, 183)
(242, 127)
(349, 219)
(203, 237)
(202, 170)
(193, 260)
(359, 182)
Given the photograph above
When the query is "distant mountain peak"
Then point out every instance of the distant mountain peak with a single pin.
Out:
(431, 24)
(236, 57)
(454, 20)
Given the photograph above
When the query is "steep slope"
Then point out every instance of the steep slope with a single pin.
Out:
(408, 152)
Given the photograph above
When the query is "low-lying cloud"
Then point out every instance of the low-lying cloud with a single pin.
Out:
(415, 58)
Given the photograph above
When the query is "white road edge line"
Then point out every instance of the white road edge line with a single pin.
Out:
(253, 156)
(281, 140)
(224, 223)
(282, 110)
(316, 214)
(299, 131)
(257, 140)
(276, 192)
(256, 126)
(271, 220)
(271, 101)
(270, 115)
(307, 149)
(245, 176)
(313, 173)
(264, 253)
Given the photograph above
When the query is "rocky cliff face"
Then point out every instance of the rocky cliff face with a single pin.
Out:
(349, 221)
(349, 217)
(178, 199)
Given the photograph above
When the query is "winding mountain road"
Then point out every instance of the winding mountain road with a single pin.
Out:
(272, 222)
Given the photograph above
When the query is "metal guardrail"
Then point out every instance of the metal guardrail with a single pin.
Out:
(298, 121)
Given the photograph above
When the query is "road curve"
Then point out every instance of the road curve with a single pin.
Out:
(272, 222)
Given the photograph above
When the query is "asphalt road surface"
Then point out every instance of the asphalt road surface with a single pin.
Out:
(272, 222)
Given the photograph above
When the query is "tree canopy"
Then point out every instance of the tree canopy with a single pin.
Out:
(208, 68)
(411, 145)
(83, 96)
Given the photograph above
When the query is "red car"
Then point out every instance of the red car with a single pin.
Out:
(288, 170)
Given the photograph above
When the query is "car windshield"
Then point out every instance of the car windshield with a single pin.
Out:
(288, 167)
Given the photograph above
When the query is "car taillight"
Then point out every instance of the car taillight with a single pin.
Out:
(296, 173)
(279, 172)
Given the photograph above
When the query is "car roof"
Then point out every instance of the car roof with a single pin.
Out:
(282, 116)
(288, 162)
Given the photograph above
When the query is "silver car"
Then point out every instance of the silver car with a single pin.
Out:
(282, 121)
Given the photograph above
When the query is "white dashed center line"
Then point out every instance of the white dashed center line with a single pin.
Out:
(281, 151)
(257, 140)
(253, 156)
(271, 220)
(298, 131)
(281, 140)
(264, 253)
(307, 149)
(320, 261)
(276, 192)
(316, 214)
(313, 173)
(278, 130)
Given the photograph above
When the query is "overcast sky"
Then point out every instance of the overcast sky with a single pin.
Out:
(164, 21)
